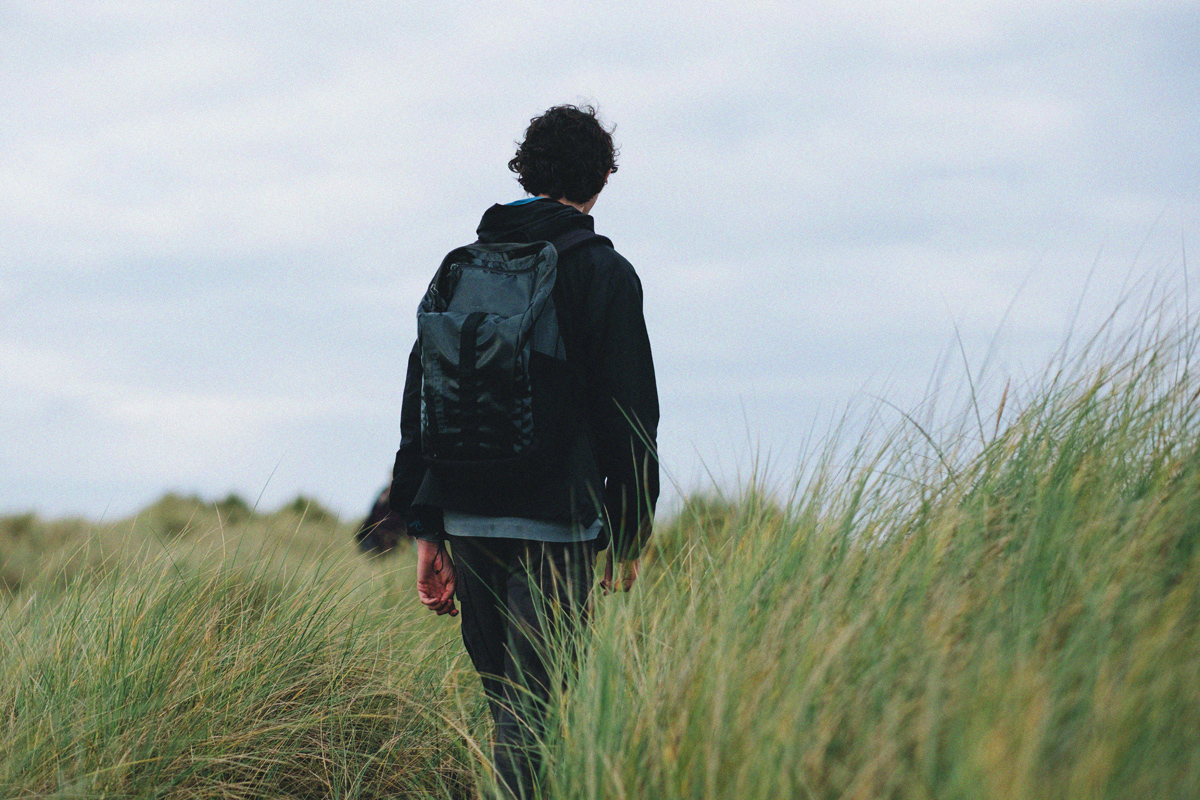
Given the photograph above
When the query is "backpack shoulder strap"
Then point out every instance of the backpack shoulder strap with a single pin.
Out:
(564, 243)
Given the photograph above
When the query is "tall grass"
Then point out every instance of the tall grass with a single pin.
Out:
(198, 674)
(1004, 604)
(984, 611)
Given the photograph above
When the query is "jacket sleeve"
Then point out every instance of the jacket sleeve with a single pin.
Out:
(623, 398)
(409, 470)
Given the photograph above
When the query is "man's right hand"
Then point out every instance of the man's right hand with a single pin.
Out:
(435, 577)
(626, 574)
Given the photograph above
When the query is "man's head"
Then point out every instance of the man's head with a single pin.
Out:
(567, 155)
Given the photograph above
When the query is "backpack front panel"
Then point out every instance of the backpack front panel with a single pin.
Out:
(476, 327)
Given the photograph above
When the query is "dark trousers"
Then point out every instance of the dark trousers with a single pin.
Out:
(519, 598)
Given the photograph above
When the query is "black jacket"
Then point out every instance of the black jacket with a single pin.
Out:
(605, 454)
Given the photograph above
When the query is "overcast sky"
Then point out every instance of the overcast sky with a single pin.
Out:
(216, 219)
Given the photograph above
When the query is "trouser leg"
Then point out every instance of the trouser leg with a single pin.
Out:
(522, 602)
(481, 567)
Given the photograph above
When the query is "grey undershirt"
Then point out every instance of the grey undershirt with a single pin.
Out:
(457, 524)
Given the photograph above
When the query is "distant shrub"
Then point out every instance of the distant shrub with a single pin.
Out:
(310, 510)
(28, 543)
(718, 520)
(174, 516)
(16, 549)
(18, 526)
(233, 509)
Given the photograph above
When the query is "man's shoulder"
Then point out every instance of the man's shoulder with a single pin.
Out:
(595, 272)
(599, 252)
(611, 268)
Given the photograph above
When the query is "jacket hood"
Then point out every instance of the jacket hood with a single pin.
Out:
(538, 220)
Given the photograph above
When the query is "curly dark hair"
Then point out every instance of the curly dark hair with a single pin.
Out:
(567, 155)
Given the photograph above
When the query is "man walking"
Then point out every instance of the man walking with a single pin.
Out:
(523, 540)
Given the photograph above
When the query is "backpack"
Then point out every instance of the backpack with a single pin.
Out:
(482, 326)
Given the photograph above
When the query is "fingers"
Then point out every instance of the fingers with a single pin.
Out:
(631, 574)
(442, 602)
(446, 604)
(446, 608)
(627, 574)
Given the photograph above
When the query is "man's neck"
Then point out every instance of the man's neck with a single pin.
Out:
(583, 208)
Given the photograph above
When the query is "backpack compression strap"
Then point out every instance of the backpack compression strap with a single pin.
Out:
(469, 360)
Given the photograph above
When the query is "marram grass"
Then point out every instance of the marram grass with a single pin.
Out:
(194, 681)
(1013, 617)
(1007, 608)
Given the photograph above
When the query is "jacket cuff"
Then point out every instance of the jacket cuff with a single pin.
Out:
(425, 522)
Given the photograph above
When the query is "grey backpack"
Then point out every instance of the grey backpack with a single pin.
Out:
(488, 310)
